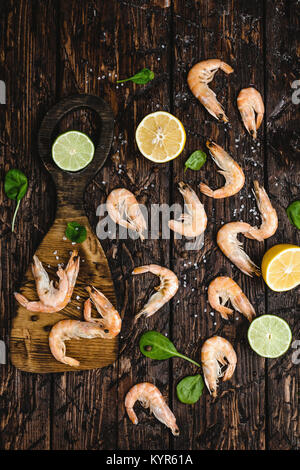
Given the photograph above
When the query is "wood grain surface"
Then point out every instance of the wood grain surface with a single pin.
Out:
(54, 49)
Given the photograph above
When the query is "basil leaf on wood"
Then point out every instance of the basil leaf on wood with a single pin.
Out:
(196, 160)
(190, 389)
(15, 187)
(156, 346)
(141, 78)
(293, 213)
(76, 232)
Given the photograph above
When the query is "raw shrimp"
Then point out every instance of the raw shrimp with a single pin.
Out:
(231, 246)
(216, 351)
(52, 299)
(232, 172)
(192, 223)
(198, 78)
(249, 102)
(124, 210)
(150, 397)
(110, 321)
(66, 330)
(165, 291)
(225, 288)
(268, 214)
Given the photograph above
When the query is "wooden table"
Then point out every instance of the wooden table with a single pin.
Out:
(51, 49)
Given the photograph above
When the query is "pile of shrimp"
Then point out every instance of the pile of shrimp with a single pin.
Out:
(54, 299)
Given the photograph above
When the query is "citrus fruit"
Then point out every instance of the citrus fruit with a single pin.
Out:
(269, 336)
(160, 137)
(72, 151)
(281, 267)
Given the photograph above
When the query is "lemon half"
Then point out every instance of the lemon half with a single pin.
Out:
(281, 267)
(160, 137)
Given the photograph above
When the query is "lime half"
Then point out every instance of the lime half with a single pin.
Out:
(269, 336)
(72, 151)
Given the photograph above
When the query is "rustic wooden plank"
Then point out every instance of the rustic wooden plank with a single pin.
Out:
(231, 31)
(143, 41)
(283, 180)
(27, 60)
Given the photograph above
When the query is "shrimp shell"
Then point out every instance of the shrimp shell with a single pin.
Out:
(165, 291)
(232, 172)
(124, 210)
(225, 288)
(52, 300)
(194, 222)
(199, 76)
(111, 321)
(66, 330)
(216, 351)
(249, 102)
(268, 214)
(232, 247)
(150, 397)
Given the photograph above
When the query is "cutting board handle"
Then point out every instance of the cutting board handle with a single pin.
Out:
(70, 186)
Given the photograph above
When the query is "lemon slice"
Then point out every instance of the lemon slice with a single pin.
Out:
(160, 137)
(72, 151)
(269, 336)
(281, 267)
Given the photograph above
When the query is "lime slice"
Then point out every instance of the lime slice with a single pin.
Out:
(269, 336)
(72, 151)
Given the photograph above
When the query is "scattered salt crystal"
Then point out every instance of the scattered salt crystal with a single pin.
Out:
(56, 257)
(212, 314)
(73, 243)
(78, 308)
(64, 238)
(77, 297)
(55, 252)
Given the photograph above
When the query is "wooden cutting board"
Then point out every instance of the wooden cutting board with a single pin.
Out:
(29, 348)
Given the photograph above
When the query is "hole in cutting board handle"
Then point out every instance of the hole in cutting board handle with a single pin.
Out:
(51, 123)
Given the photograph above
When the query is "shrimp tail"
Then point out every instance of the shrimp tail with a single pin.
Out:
(206, 190)
(21, 299)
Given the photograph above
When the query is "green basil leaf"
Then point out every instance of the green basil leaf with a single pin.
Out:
(156, 346)
(293, 213)
(76, 232)
(190, 389)
(15, 184)
(141, 78)
(196, 160)
(15, 187)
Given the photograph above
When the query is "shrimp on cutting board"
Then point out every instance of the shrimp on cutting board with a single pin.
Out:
(232, 172)
(124, 210)
(198, 78)
(222, 289)
(165, 291)
(52, 299)
(249, 102)
(268, 214)
(216, 353)
(110, 320)
(66, 330)
(150, 397)
(194, 221)
(232, 248)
